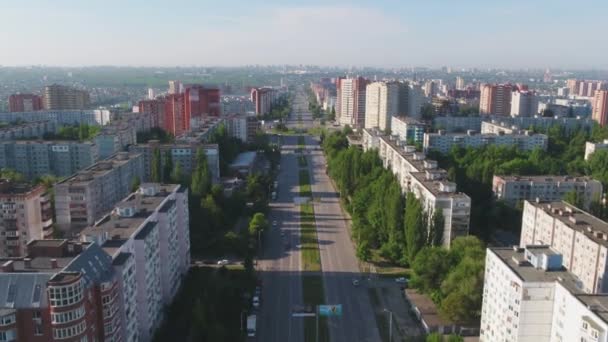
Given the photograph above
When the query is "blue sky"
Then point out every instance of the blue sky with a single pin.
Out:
(512, 34)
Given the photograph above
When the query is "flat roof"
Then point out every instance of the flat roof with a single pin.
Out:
(100, 168)
(545, 178)
(435, 185)
(244, 159)
(576, 219)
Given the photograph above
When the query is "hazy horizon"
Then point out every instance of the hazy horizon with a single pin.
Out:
(387, 34)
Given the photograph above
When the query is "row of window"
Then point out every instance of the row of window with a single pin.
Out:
(63, 333)
(7, 320)
(65, 295)
(68, 316)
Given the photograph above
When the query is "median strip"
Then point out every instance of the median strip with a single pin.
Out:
(312, 284)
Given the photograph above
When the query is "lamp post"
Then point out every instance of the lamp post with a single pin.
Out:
(390, 324)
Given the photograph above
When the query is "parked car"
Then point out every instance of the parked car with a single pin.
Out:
(223, 262)
(256, 302)
(401, 280)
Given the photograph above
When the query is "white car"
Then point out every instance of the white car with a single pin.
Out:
(274, 223)
(401, 280)
(355, 282)
(223, 262)
(256, 302)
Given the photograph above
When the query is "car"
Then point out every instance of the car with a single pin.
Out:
(256, 302)
(274, 223)
(355, 282)
(223, 262)
(401, 280)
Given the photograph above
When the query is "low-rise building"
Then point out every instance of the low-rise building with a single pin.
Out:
(581, 238)
(244, 163)
(529, 296)
(591, 147)
(183, 154)
(151, 225)
(513, 189)
(89, 194)
(26, 214)
(93, 117)
(443, 142)
(36, 158)
(407, 129)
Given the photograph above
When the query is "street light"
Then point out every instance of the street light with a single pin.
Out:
(390, 324)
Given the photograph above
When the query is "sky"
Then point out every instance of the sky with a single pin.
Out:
(382, 33)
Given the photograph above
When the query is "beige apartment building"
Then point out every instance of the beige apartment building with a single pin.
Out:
(25, 215)
(59, 97)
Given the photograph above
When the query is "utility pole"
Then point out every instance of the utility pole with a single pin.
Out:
(317, 330)
(390, 325)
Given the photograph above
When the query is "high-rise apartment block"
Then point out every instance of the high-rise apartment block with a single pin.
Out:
(460, 85)
(183, 154)
(444, 142)
(513, 189)
(351, 94)
(59, 97)
(113, 285)
(26, 215)
(600, 107)
(425, 180)
(83, 198)
(156, 108)
(381, 104)
(92, 117)
(24, 103)
(529, 296)
(243, 127)
(115, 138)
(201, 102)
(263, 99)
(495, 99)
(36, 158)
(148, 232)
(585, 88)
(524, 103)
(175, 87)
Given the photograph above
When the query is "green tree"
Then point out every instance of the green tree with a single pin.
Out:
(415, 228)
(434, 337)
(201, 178)
(363, 251)
(436, 227)
(135, 183)
(464, 290)
(430, 267)
(455, 338)
(156, 166)
(257, 224)
(176, 174)
(167, 167)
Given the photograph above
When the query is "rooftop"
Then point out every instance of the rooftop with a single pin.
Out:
(100, 168)
(439, 186)
(545, 178)
(10, 188)
(244, 159)
(577, 219)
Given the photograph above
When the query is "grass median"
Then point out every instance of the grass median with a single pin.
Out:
(302, 162)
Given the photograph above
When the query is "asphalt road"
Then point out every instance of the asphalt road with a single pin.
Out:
(280, 267)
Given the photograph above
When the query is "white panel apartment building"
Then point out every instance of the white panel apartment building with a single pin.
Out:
(581, 238)
(91, 193)
(528, 297)
(443, 142)
(591, 147)
(513, 189)
(406, 128)
(524, 103)
(381, 103)
(92, 117)
(421, 176)
(150, 229)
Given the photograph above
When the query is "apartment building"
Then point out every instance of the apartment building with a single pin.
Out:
(156, 108)
(237, 104)
(61, 291)
(524, 103)
(495, 99)
(28, 130)
(182, 153)
(201, 101)
(581, 238)
(585, 88)
(591, 147)
(408, 129)
(35, 158)
(351, 98)
(428, 183)
(243, 127)
(513, 189)
(89, 194)
(59, 97)
(92, 117)
(529, 296)
(263, 99)
(444, 142)
(25, 215)
(381, 103)
(115, 138)
(24, 103)
(151, 225)
(600, 107)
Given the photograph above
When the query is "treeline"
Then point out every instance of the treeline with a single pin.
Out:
(80, 132)
(155, 133)
(473, 169)
(382, 217)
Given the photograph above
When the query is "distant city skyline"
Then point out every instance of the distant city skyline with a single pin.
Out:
(386, 33)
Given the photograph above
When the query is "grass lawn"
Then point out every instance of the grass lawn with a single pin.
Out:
(302, 161)
(311, 258)
(312, 291)
(305, 190)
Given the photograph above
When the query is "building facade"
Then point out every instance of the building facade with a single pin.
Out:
(26, 215)
(92, 117)
(36, 158)
(514, 189)
(115, 138)
(28, 130)
(351, 93)
(381, 104)
(59, 97)
(524, 103)
(263, 99)
(24, 103)
(444, 142)
(407, 129)
(600, 107)
(83, 198)
(495, 99)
